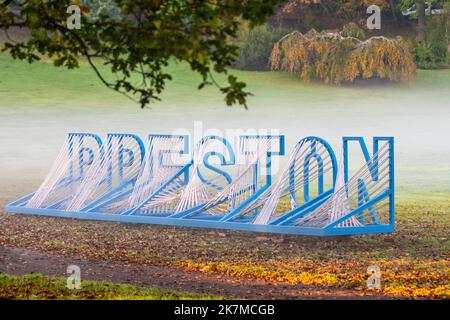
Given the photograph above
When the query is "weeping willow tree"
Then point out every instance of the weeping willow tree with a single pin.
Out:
(335, 58)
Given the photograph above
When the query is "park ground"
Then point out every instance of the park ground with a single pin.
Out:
(40, 104)
(230, 264)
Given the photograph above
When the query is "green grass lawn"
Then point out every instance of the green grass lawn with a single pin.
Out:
(37, 286)
(42, 85)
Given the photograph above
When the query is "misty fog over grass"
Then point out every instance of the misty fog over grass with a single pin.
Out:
(40, 104)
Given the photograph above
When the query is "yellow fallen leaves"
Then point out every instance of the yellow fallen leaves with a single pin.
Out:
(307, 278)
(398, 277)
(403, 290)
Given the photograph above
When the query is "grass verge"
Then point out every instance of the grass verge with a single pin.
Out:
(37, 286)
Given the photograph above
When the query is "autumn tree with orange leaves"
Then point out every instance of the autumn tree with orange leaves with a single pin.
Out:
(335, 58)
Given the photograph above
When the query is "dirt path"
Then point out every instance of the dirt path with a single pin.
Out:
(227, 263)
(22, 261)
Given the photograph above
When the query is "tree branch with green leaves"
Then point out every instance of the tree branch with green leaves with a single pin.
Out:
(141, 38)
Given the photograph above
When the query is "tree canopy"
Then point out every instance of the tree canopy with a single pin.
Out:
(341, 57)
(326, 14)
(141, 38)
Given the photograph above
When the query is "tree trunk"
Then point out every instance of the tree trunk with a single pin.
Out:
(420, 7)
(393, 4)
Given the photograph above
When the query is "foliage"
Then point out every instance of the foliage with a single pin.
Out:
(438, 36)
(424, 56)
(406, 4)
(334, 58)
(352, 30)
(36, 286)
(255, 46)
(432, 51)
(326, 14)
(344, 8)
(96, 8)
(149, 35)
